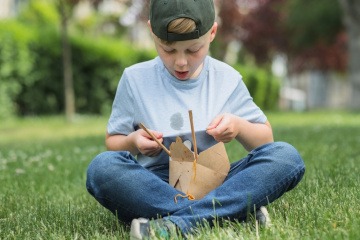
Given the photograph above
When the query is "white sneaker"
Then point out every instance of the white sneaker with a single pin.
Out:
(140, 228)
(262, 216)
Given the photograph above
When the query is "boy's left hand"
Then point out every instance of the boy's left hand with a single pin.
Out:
(223, 128)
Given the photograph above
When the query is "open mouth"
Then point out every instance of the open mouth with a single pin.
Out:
(181, 75)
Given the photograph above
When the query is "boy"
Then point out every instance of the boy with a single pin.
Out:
(159, 94)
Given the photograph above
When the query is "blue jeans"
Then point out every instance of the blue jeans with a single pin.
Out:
(130, 191)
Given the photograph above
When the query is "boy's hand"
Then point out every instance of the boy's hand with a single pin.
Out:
(226, 127)
(223, 128)
(146, 145)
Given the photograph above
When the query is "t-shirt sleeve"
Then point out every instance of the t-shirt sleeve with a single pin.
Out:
(243, 105)
(122, 115)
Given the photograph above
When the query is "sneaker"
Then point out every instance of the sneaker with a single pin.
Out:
(142, 228)
(262, 216)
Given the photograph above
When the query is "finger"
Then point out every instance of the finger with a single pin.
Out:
(158, 135)
(149, 132)
(154, 152)
(215, 122)
(150, 150)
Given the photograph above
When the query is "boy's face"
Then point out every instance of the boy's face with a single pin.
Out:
(184, 59)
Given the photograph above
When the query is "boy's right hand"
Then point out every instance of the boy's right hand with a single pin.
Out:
(145, 144)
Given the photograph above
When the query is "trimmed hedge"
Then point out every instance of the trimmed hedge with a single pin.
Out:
(16, 64)
(98, 66)
(31, 70)
(263, 86)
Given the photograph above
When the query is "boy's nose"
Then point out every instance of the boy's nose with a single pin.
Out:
(181, 60)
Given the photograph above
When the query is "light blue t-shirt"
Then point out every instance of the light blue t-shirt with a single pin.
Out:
(149, 94)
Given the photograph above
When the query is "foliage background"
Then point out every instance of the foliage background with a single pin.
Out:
(31, 70)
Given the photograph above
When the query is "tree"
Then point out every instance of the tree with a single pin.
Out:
(317, 38)
(65, 7)
(228, 27)
(262, 31)
(352, 22)
(309, 33)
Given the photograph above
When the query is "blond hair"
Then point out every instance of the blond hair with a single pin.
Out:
(180, 26)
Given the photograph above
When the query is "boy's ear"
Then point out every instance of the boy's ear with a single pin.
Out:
(213, 31)
(149, 25)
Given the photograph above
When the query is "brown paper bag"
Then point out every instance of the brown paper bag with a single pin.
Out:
(197, 180)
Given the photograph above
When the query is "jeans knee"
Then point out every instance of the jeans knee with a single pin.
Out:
(290, 154)
(101, 169)
(95, 170)
(99, 163)
(292, 161)
(284, 157)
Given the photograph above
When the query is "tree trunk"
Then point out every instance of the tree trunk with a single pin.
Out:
(67, 66)
(352, 23)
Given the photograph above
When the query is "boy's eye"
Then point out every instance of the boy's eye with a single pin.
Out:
(168, 50)
(193, 50)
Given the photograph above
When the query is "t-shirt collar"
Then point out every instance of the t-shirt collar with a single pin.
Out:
(188, 84)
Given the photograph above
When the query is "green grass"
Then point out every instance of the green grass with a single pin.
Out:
(42, 181)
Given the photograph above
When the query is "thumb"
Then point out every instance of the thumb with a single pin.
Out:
(215, 122)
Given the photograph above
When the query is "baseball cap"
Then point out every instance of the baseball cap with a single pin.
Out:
(162, 12)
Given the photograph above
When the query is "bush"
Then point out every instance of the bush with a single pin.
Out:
(31, 70)
(16, 64)
(31, 75)
(45, 94)
(97, 67)
(24, 57)
(263, 86)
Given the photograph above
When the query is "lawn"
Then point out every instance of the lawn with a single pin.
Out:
(43, 163)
